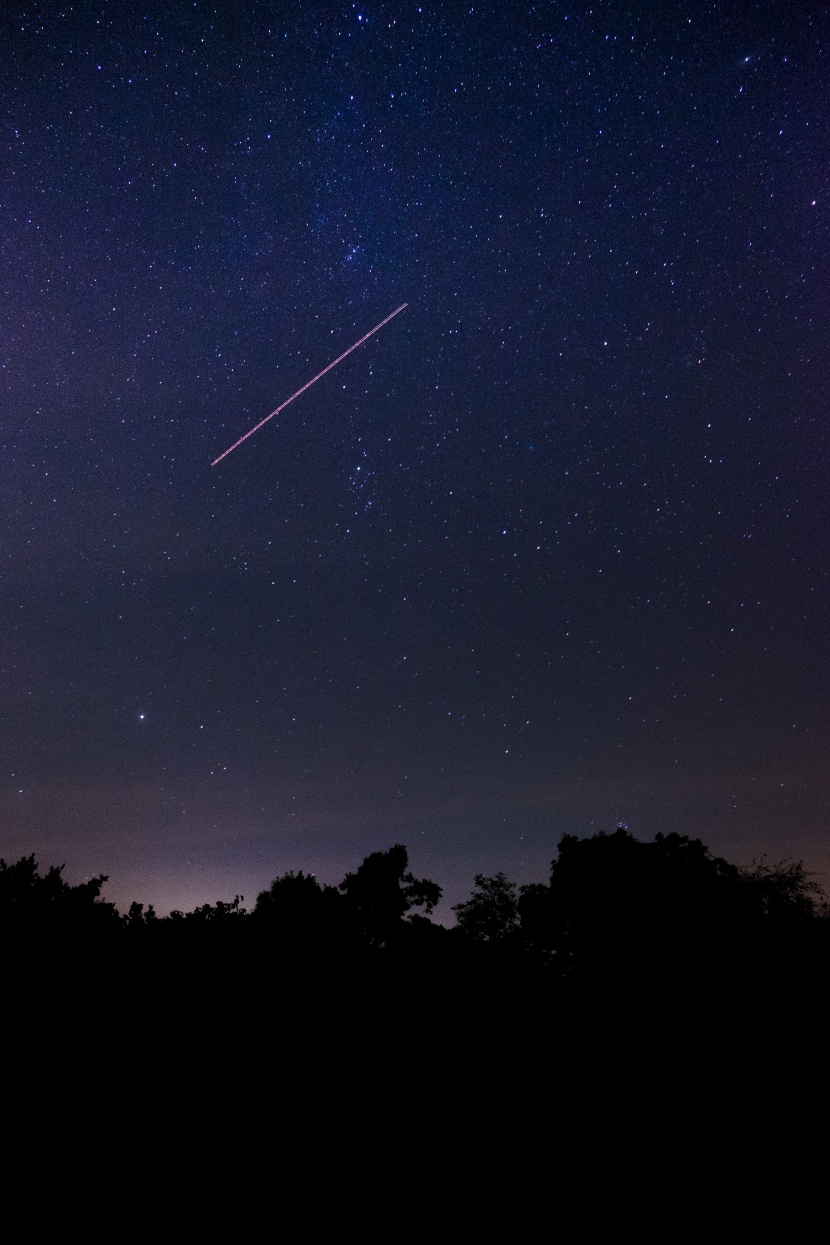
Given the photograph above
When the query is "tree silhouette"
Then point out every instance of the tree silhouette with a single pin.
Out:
(491, 914)
(631, 910)
(47, 904)
(221, 911)
(621, 923)
(381, 892)
(137, 918)
(297, 911)
(784, 893)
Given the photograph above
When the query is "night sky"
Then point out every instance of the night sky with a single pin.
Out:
(547, 553)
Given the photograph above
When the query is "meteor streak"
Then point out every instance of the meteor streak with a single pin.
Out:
(308, 384)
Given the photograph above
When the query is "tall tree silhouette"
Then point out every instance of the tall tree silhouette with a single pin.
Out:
(381, 892)
(785, 894)
(45, 904)
(491, 914)
(633, 910)
(300, 913)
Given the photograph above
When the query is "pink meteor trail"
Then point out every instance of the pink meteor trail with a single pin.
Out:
(308, 384)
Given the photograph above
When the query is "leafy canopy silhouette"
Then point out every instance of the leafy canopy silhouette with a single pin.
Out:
(491, 914)
(47, 902)
(381, 892)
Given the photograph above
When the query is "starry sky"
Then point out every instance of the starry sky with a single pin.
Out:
(547, 553)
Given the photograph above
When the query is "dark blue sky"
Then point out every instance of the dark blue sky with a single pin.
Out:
(548, 552)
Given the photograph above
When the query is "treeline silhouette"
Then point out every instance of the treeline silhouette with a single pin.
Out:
(629, 919)
(641, 979)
